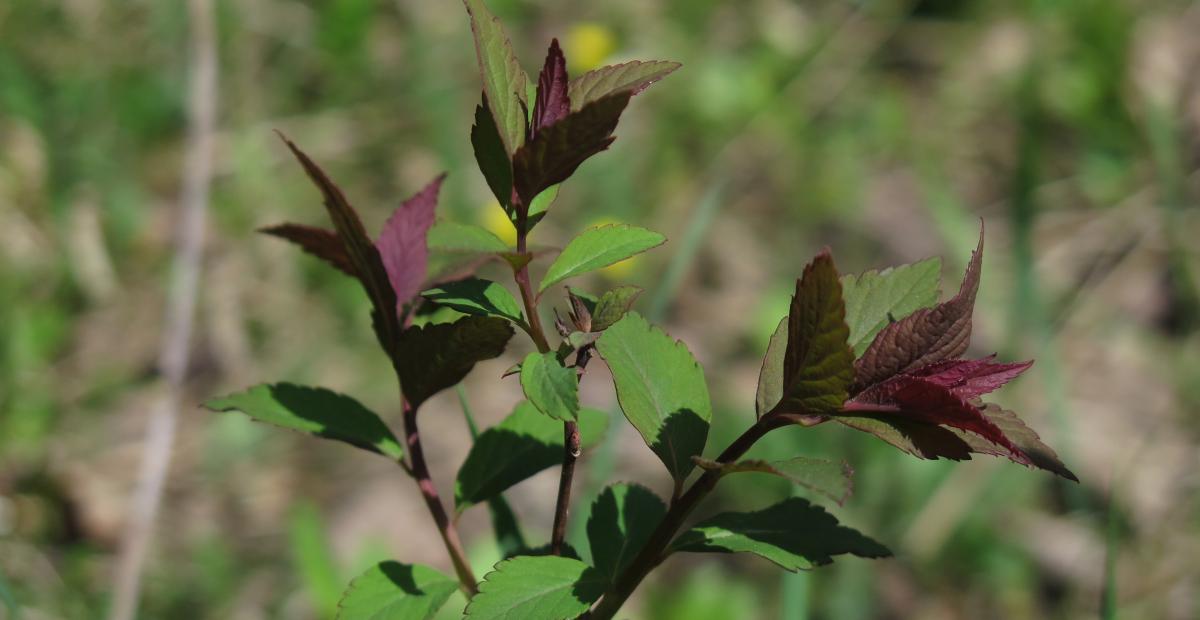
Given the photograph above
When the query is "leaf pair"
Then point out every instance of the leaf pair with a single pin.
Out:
(393, 269)
(907, 385)
(524, 152)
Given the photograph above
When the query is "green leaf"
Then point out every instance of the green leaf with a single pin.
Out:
(818, 365)
(793, 534)
(540, 204)
(599, 247)
(447, 236)
(525, 443)
(770, 377)
(431, 358)
(395, 591)
(503, 78)
(632, 77)
(829, 478)
(622, 520)
(661, 389)
(552, 388)
(477, 297)
(613, 305)
(876, 298)
(537, 588)
(317, 411)
(491, 155)
(457, 250)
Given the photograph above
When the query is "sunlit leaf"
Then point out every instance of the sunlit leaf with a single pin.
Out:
(395, 591)
(599, 247)
(503, 78)
(552, 388)
(477, 297)
(631, 77)
(661, 389)
(541, 588)
(876, 298)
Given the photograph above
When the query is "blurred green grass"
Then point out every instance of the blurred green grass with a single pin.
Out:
(882, 128)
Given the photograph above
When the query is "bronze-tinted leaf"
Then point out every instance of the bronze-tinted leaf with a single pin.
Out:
(322, 243)
(924, 337)
(359, 248)
(557, 150)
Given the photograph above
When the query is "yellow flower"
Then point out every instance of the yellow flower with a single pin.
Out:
(588, 45)
(493, 218)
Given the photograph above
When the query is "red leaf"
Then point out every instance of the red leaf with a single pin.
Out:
(319, 242)
(552, 103)
(1038, 453)
(972, 378)
(403, 246)
(924, 337)
(928, 402)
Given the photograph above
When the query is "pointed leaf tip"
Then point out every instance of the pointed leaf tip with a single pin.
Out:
(362, 254)
(818, 365)
(552, 103)
(660, 388)
(403, 244)
(319, 242)
(926, 336)
(632, 77)
(503, 78)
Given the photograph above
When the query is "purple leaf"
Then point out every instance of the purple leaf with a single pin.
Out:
(403, 245)
(361, 252)
(972, 378)
(924, 337)
(552, 103)
(322, 243)
(559, 149)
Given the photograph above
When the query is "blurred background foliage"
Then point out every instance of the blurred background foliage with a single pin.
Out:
(883, 128)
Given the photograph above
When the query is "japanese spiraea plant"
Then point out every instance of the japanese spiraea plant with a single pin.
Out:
(877, 352)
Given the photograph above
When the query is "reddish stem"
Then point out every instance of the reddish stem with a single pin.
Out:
(571, 438)
(420, 472)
